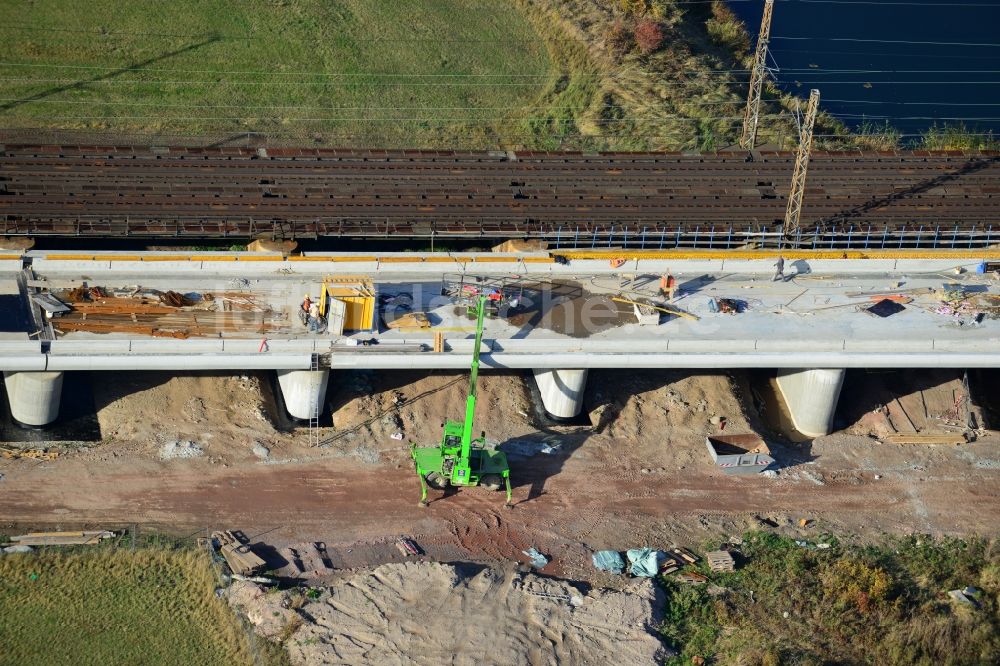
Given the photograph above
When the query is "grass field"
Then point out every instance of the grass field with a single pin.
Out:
(476, 74)
(408, 72)
(106, 607)
(880, 604)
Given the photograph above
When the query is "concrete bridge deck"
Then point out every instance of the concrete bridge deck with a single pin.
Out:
(565, 320)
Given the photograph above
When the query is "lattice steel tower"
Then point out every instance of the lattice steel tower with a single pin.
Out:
(752, 114)
(801, 166)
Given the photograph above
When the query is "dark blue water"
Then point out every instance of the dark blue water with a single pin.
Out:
(828, 45)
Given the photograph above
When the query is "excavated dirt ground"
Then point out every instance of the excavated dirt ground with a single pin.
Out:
(432, 613)
(640, 477)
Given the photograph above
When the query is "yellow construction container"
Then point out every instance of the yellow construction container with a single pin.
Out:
(358, 296)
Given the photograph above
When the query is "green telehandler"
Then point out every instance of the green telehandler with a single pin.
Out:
(460, 460)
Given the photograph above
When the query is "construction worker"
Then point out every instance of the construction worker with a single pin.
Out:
(314, 321)
(307, 304)
(668, 286)
(779, 265)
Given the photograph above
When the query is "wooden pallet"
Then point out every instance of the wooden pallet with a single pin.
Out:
(720, 560)
(691, 577)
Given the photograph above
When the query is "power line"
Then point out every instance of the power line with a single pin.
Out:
(885, 41)
(873, 2)
(269, 72)
(107, 102)
(864, 115)
(891, 71)
(380, 84)
(848, 137)
(218, 37)
(434, 119)
(863, 81)
(272, 72)
(900, 55)
(855, 2)
(868, 101)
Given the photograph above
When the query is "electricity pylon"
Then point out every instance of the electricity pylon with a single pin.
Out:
(801, 166)
(752, 114)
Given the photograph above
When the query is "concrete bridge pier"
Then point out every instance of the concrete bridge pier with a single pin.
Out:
(811, 397)
(303, 391)
(561, 391)
(34, 397)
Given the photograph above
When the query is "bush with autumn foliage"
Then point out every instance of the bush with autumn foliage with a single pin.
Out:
(648, 36)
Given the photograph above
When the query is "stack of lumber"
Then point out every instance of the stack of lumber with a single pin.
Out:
(683, 555)
(676, 559)
(410, 320)
(62, 538)
(239, 557)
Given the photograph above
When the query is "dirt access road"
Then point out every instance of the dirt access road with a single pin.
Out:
(641, 478)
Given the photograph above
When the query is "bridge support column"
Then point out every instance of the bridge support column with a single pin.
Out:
(561, 391)
(811, 397)
(34, 397)
(303, 391)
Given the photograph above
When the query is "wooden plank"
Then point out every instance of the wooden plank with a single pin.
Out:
(660, 308)
(950, 439)
(685, 555)
(63, 538)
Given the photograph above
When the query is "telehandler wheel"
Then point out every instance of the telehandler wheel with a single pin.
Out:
(491, 482)
(435, 480)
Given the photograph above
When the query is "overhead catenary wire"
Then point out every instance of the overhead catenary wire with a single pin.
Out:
(369, 84)
(938, 103)
(380, 107)
(899, 3)
(906, 3)
(326, 134)
(891, 71)
(427, 119)
(875, 117)
(885, 54)
(873, 82)
(888, 41)
(272, 72)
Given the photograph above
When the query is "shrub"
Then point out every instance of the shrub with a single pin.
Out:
(656, 9)
(619, 40)
(648, 36)
(728, 31)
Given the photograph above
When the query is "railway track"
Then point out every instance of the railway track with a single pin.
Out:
(614, 198)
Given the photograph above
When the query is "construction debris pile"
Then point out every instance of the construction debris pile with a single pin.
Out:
(967, 307)
(139, 311)
(939, 411)
(431, 613)
(644, 562)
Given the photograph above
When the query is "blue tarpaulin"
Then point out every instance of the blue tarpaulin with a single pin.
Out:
(608, 560)
(645, 561)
